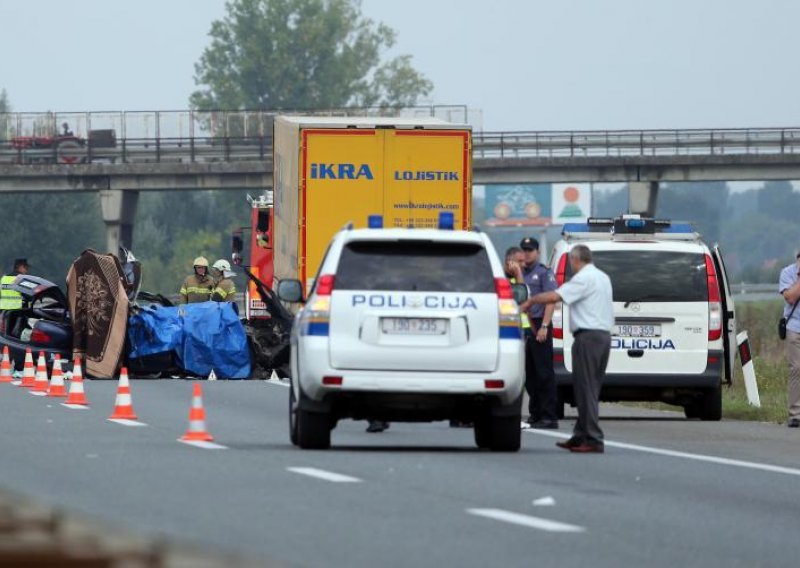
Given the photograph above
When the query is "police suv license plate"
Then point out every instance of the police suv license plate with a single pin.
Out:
(414, 326)
(638, 330)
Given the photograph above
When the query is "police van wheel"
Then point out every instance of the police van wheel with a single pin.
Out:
(560, 405)
(505, 435)
(710, 405)
(313, 430)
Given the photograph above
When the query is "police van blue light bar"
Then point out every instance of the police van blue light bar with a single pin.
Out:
(375, 221)
(447, 221)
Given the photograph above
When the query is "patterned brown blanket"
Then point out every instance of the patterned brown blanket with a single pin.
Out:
(99, 307)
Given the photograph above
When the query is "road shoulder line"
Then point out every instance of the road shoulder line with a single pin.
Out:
(684, 455)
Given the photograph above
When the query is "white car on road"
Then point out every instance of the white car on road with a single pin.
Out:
(407, 325)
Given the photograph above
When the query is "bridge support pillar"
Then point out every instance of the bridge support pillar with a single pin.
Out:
(119, 212)
(642, 197)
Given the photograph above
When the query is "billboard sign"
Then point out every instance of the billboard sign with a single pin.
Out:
(572, 202)
(518, 205)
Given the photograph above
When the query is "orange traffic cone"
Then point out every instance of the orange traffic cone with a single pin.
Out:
(76, 393)
(28, 375)
(5, 367)
(41, 383)
(197, 419)
(57, 388)
(123, 406)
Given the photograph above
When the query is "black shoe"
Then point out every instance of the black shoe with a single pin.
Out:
(567, 444)
(544, 424)
(376, 426)
(793, 423)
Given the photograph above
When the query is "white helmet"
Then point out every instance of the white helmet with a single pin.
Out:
(222, 264)
(224, 267)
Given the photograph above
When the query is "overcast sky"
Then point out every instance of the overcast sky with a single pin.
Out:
(577, 64)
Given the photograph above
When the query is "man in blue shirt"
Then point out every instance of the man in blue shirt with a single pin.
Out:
(789, 288)
(540, 378)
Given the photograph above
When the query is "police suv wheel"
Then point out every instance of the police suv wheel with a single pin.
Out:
(505, 435)
(313, 429)
(483, 434)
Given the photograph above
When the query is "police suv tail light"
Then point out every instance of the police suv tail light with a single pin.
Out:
(325, 285)
(714, 302)
(558, 321)
(503, 289)
(494, 384)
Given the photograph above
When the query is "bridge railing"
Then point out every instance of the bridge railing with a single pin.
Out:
(163, 136)
(230, 136)
(621, 143)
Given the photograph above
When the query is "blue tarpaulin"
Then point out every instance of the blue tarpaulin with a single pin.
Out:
(203, 337)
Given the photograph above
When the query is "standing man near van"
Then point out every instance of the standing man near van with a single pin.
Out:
(540, 377)
(591, 319)
(789, 288)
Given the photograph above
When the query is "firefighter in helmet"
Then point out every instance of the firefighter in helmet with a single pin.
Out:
(225, 290)
(199, 286)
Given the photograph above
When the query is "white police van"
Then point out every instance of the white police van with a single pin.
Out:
(674, 339)
(407, 325)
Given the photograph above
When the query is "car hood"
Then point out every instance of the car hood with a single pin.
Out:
(34, 288)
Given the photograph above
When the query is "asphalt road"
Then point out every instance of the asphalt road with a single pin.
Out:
(667, 492)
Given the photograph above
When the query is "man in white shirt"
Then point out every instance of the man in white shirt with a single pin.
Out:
(591, 319)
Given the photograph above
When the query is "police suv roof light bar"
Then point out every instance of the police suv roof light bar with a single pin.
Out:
(627, 227)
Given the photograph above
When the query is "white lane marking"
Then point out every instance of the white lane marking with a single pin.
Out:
(126, 422)
(686, 455)
(526, 520)
(544, 502)
(322, 474)
(202, 444)
(37, 393)
(16, 383)
(75, 406)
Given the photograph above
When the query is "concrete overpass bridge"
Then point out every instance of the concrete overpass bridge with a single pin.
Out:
(122, 154)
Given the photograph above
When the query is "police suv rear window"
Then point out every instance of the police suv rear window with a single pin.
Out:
(416, 265)
(654, 276)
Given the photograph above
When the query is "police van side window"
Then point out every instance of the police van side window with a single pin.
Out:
(422, 266)
(654, 276)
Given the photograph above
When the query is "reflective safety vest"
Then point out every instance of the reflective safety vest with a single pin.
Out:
(9, 299)
(526, 323)
(196, 290)
(225, 291)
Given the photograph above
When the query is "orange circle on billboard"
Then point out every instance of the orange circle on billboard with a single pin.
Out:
(571, 194)
(502, 211)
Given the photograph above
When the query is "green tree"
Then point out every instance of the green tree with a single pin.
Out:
(302, 54)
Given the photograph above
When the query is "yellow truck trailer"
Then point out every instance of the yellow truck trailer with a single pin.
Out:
(332, 171)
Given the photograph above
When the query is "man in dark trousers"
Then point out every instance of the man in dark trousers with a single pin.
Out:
(540, 379)
(591, 319)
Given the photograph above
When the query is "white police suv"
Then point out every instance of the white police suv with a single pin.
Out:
(675, 335)
(407, 325)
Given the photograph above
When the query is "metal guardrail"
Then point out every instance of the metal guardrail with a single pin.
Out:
(637, 143)
(231, 136)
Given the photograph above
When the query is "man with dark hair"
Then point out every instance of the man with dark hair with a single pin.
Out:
(591, 318)
(789, 288)
(540, 378)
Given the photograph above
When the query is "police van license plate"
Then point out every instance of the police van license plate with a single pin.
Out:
(414, 326)
(637, 330)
